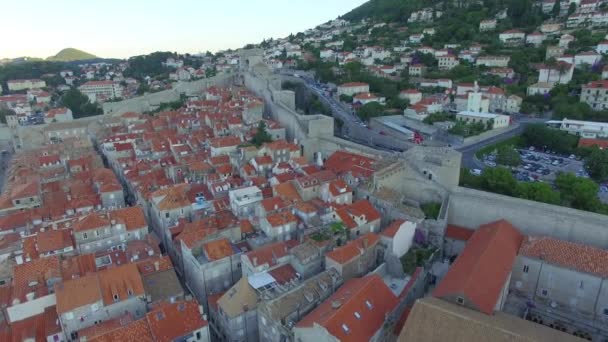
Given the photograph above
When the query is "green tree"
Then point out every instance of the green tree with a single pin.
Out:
(261, 135)
(508, 156)
(498, 180)
(540, 136)
(556, 9)
(4, 112)
(577, 192)
(346, 98)
(535, 191)
(79, 104)
(370, 110)
(597, 164)
(148, 65)
(572, 8)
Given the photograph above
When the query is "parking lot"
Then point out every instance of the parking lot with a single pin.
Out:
(541, 166)
(537, 166)
(545, 166)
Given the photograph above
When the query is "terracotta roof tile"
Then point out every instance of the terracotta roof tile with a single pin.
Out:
(132, 217)
(287, 191)
(283, 274)
(582, 258)
(246, 227)
(354, 248)
(32, 276)
(281, 218)
(171, 321)
(137, 331)
(75, 293)
(273, 204)
(356, 311)
(392, 228)
(268, 254)
(120, 282)
(458, 233)
(480, 272)
(104, 327)
(218, 249)
(91, 221)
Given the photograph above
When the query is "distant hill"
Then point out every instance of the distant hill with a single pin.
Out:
(390, 10)
(71, 54)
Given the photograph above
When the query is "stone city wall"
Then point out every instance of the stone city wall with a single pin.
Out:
(471, 208)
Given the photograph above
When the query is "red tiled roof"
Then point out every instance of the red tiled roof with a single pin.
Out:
(268, 254)
(356, 311)
(136, 331)
(273, 203)
(354, 248)
(171, 321)
(281, 218)
(338, 187)
(458, 233)
(132, 217)
(104, 327)
(32, 276)
(480, 272)
(120, 281)
(392, 228)
(283, 274)
(91, 221)
(218, 249)
(582, 258)
(601, 143)
(353, 84)
(246, 227)
(597, 84)
(75, 293)
(341, 161)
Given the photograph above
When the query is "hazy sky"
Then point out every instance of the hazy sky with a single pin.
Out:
(123, 28)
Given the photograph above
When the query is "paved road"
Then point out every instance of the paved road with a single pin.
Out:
(353, 127)
(468, 152)
(356, 131)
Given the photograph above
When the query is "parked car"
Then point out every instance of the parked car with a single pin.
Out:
(476, 172)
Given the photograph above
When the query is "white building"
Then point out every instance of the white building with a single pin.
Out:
(535, 38)
(487, 25)
(417, 70)
(412, 95)
(602, 47)
(101, 90)
(353, 88)
(540, 88)
(365, 98)
(416, 38)
(398, 237)
(512, 37)
(565, 40)
(243, 201)
(58, 115)
(326, 54)
(477, 103)
(560, 73)
(16, 85)
(496, 120)
(513, 104)
(493, 61)
(174, 63)
(447, 62)
(585, 129)
(595, 94)
(589, 57)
